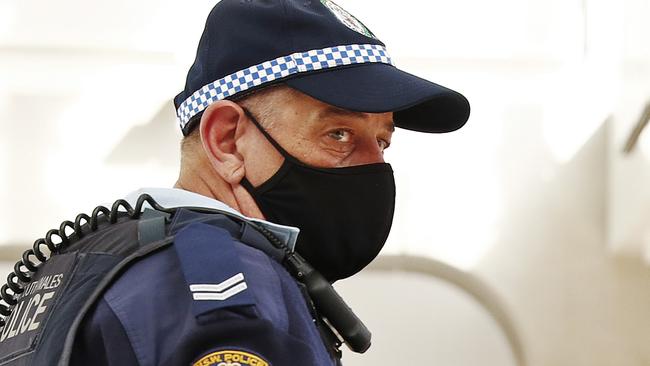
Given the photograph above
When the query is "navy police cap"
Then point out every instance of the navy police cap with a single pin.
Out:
(318, 48)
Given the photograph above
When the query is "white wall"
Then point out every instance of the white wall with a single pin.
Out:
(417, 319)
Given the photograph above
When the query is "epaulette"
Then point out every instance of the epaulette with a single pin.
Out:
(212, 268)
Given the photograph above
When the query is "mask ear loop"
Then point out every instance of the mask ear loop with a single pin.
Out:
(245, 182)
(275, 144)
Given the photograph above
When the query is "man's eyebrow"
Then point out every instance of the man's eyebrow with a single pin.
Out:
(332, 111)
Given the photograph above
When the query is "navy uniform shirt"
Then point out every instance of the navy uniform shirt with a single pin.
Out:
(217, 296)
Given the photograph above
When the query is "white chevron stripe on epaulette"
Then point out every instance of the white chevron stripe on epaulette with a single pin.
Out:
(220, 291)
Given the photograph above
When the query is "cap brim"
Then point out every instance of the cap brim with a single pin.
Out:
(419, 105)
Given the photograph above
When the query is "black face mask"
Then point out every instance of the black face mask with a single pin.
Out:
(344, 214)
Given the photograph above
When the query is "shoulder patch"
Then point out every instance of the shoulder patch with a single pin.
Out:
(212, 268)
(231, 358)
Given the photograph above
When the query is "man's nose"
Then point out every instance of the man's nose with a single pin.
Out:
(369, 152)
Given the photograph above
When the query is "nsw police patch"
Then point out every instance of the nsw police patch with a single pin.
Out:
(231, 358)
(348, 19)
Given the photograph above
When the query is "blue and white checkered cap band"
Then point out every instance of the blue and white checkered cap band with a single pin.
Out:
(281, 67)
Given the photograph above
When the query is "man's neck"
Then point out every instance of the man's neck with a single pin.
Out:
(217, 188)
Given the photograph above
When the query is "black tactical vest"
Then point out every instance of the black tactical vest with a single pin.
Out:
(78, 267)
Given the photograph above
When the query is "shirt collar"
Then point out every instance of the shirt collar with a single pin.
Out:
(174, 197)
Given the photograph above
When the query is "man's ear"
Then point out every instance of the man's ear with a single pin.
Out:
(220, 128)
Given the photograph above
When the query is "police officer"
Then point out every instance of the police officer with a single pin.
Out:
(283, 189)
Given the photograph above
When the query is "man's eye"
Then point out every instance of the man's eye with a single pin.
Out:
(341, 135)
